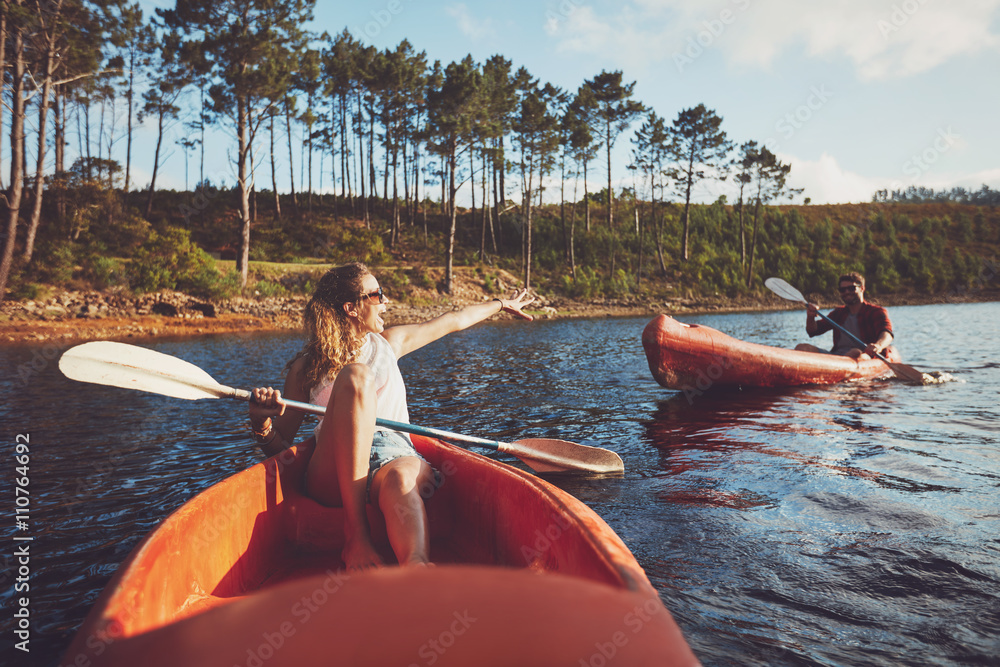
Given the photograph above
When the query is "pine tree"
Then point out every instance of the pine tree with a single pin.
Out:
(651, 152)
(768, 177)
(614, 111)
(451, 108)
(535, 130)
(242, 42)
(499, 99)
(161, 100)
(699, 148)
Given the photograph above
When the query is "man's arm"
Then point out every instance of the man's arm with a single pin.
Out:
(883, 341)
(815, 326)
(880, 323)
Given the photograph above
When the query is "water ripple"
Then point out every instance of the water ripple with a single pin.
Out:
(846, 525)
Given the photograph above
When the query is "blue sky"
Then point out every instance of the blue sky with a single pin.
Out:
(856, 95)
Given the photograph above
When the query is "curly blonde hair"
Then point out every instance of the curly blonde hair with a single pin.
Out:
(333, 341)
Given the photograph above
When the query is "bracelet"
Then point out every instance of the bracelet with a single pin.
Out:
(261, 435)
(500, 301)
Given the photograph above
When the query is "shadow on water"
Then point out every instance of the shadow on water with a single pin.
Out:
(730, 420)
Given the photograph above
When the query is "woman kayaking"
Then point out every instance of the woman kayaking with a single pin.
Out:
(348, 364)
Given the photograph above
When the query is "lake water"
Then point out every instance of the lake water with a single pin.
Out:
(847, 525)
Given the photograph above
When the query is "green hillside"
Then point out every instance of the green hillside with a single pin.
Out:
(90, 239)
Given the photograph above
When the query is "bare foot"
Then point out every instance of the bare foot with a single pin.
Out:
(359, 555)
(417, 561)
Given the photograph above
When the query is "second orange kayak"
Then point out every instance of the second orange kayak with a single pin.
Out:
(693, 357)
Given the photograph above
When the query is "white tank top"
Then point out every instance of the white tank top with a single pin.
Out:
(390, 392)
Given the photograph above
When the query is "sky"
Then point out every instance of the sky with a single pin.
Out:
(856, 95)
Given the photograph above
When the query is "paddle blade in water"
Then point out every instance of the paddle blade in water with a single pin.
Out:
(549, 455)
(133, 367)
(910, 374)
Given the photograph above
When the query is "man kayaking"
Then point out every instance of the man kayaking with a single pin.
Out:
(867, 321)
(348, 365)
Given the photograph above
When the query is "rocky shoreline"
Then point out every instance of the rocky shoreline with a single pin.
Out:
(76, 316)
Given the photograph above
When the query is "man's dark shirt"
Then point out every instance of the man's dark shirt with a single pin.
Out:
(872, 321)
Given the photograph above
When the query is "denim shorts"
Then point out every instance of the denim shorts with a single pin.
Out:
(387, 446)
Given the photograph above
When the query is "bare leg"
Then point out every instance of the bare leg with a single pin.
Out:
(396, 488)
(806, 347)
(338, 469)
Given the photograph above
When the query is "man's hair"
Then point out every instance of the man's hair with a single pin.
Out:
(852, 277)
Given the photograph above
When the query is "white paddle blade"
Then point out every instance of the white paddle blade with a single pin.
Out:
(784, 290)
(549, 455)
(133, 367)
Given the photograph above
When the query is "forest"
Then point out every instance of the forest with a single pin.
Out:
(393, 159)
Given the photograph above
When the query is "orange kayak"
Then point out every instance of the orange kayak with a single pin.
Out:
(694, 358)
(249, 573)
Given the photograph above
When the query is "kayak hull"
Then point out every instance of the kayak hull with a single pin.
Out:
(693, 357)
(249, 572)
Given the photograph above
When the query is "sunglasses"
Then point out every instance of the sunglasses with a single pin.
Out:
(378, 296)
(844, 290)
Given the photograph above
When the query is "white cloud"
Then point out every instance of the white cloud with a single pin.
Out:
(882, 38)
(990, 177)
(627, 38)
(826, 182)
(823, 180)
(469, 25)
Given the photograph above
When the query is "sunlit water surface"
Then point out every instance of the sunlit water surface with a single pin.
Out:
(848, 525)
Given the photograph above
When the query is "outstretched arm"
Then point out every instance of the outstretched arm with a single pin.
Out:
(409, 337)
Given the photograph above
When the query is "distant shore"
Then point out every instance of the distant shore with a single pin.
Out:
(72, 317)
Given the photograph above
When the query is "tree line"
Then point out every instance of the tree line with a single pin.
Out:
(984, 196)
(390, 124)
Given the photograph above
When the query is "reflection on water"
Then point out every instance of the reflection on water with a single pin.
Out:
(848, 525)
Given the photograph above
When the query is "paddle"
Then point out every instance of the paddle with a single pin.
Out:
(786, 291)
(133, 367)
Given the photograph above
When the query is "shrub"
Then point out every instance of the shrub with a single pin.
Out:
(169, 260)
(31, 292)
(490, 283)
(266, 288)
(393, 281)
(586, 285)
(103, 272)
(425, 280)
(621, 283)
(54, 263)
(362, 245)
